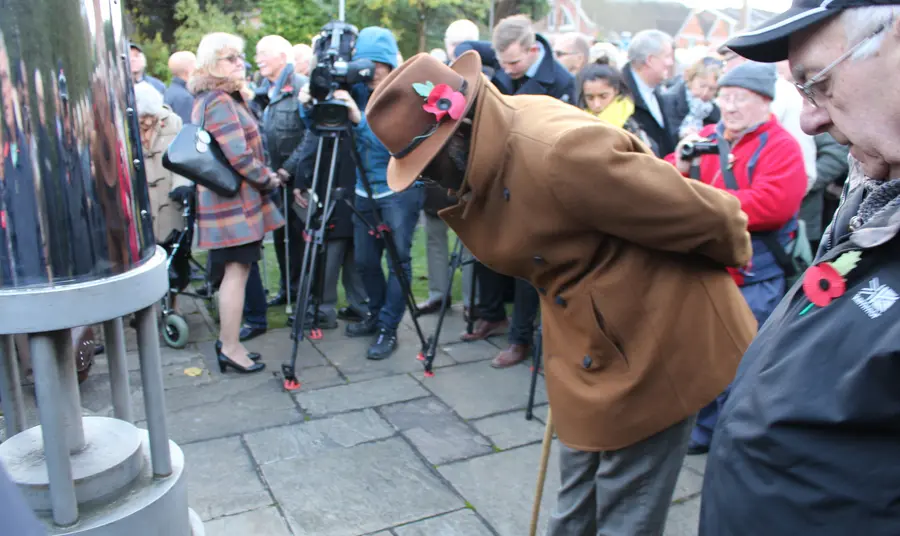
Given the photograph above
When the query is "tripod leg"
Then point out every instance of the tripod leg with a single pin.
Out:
(455, 263)
(287, 250)
(535, 370)
(470, 320)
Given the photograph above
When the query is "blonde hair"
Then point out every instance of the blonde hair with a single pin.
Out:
(276, 44)
(512, 30)
(702, 68)
(212, 44)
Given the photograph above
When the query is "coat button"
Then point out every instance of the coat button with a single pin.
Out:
(506, 194)
(560, 301)
(587, 361)
(539, 260)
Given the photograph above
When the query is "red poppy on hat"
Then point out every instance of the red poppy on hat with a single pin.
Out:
(443, 101)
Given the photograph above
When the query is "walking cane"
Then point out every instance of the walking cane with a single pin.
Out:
(287, 252)
(542, 473)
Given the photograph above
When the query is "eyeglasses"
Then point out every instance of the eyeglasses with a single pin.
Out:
(808, 89)
(726, 101)
(234, 58)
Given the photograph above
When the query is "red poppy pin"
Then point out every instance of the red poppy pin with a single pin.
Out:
(441, 100)
(825, 281)
(287, 89)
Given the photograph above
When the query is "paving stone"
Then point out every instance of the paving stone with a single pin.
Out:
(367, 488)
(435, 430)
(308, 439)
(454, 324)
(696, 463)
(501, 487)
(684, 518)
(168, 356)
(318, 377)
(276, 347)
(460, 523)
(360, 395)
(227, 407)
(265, 521)
(510, 429)
(222, 479)
(477, 390)
(689, 484)
(349, 356)
(467, 352)
(540, 412)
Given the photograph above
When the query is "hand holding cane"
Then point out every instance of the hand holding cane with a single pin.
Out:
(542, 473)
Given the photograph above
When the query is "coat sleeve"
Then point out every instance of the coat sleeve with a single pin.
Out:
(831, 161)
(777, 186)
(608, 180)
(224, 125)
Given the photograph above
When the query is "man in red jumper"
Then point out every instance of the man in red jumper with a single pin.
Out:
(762, 165)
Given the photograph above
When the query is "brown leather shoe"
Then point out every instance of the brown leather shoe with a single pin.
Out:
(515, 354)
(431, 306)
(484, 329)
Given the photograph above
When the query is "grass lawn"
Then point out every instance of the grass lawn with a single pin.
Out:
(278, 317)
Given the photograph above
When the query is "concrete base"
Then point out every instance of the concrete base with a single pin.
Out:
(109, 462)
(148, 507)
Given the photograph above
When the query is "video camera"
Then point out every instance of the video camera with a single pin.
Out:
(335, 69)
(691, 150)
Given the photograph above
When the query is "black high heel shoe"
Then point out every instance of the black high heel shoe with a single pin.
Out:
(252, 355)
(225, 362)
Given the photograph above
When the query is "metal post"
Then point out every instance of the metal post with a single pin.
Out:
(51, 400)
(491, 16)
(68, 387)
(114, 335)
(154, 397)
(11, 387)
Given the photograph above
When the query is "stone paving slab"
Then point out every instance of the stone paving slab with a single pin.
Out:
(360, 395)
(435, 431)
(309, 439)
(261, 522)
(501, 487)
(459, 523)
(689, 485)
(683, 519)
(222, 479)
(347, 492)
(696, 463)
(453, 327)
(467, 352)
(276, 347)
(349, 355)
(510, 430)
(477, 390)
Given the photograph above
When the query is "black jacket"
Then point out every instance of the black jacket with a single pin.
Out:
(282, 128)
(807, 441)
(551, 79)
(179, 99)
(344, 177)
(661, 135)
(675, 107)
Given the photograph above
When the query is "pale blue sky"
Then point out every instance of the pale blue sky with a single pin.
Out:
(776, 6)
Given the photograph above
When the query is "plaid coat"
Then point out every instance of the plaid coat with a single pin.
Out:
(226, 222)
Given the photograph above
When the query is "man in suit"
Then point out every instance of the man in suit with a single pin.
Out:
(642, 323)
(527, 67)
(651, 59)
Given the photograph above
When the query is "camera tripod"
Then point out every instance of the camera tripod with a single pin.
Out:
(312, 268)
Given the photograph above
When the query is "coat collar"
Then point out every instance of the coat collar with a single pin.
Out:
(538, 83)
(491, 128)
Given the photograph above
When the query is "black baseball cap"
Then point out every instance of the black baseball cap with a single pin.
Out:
(136, 47)
(768, 43)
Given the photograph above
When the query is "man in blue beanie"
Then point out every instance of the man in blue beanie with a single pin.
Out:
(398, 210)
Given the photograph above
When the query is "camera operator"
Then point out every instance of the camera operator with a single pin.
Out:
(283, 132)
(753, 157)
(399, 211)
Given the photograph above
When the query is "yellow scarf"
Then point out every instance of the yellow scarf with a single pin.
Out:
(618, 111)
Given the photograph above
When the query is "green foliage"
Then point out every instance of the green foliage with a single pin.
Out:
(194, 21)
(157, 53)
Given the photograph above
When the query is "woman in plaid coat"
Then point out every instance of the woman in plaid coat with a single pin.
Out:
(232, 229)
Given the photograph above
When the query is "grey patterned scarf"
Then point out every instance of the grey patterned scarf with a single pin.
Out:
(880, 196)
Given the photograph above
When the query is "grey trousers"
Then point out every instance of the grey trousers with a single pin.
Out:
(339, 262)
(437, 246)
(625, 492)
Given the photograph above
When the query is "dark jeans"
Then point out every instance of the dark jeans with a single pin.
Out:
(255, 300)
(526, 303)
(400, 212)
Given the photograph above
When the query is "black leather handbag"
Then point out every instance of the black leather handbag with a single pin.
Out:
(195, 155)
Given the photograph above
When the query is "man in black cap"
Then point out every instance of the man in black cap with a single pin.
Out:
(807, 441)
(138, 62)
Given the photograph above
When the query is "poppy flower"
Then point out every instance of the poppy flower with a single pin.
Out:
(823, 283)
(443, 101)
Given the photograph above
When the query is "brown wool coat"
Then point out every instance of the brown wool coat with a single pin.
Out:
(167, 214)
(643, 326)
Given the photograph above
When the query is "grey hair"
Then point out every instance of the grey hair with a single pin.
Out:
(646, 43)
(860, 22)
(147, 100)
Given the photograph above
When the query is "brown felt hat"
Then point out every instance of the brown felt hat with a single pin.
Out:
(398, 112)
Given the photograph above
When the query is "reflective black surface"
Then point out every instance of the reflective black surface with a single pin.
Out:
(73, 196)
